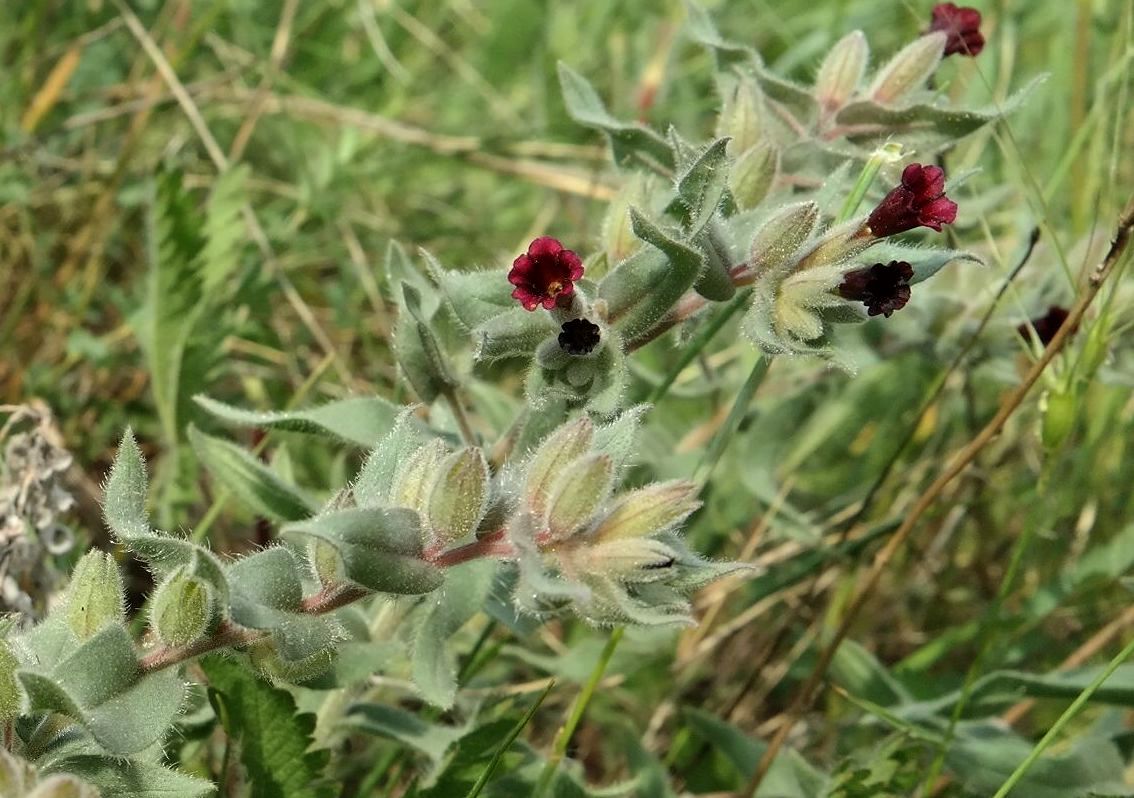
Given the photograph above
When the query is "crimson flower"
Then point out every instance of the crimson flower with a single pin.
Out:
(919, 201)
(544, 273)
(1047, 325)
(579, 337)
(883, 287)
(961, 25)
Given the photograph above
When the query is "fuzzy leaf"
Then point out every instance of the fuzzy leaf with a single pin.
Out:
(473, 297)
(629, 142)
(274, 736)
(249, 479)
(454, 604)
(124, 502)
(418, 351)
(381, 549)
(926, 261)
(371, 488)
(359, 420)
(127, 778)
(702, 188)
(513, 333)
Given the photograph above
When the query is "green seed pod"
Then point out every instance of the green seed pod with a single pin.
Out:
(742, 115)
(557, 452)
(414, 482)
(183, 608)
(578, 493)
(1060, 410)
(460, 496)
(95, 598)
(649, 511)
(909, 69)
(841, 72)
(753, 175)
(62, 786)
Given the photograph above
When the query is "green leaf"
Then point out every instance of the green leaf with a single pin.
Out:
(127, 778)
(249, 479)
(461, 597)
(513, 333)
(473, 297)
(704, 31)
(790, 775)
(224, 229)
(701, 190)
(274, 737)
(418, 351)
(174, 297)
(984, 756)
(381, 549)
(371, 488)
(926, 261)
(358, 420)
(430, 739)
(644, 287)
(629, 142)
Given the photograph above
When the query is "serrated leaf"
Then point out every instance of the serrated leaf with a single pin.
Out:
(127, 778)
(249, 479)
(359, 420)
(629, 142)
(462, 596)
(224, 228)
(274, 736)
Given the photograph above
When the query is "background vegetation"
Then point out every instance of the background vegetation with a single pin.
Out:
(343, 125)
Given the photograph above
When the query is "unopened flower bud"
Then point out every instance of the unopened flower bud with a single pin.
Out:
(841, 72)
(753, 175)
(742, 115)
(15, 774)
(414, 482)
(782, 236)
(649, 511)
(631, 559)
(578, 493)
(183, 608)
(909, 69)
(460, 496)
(556, 453)
(326, 562)
(95, 597)
(266, 659)
(62, 786)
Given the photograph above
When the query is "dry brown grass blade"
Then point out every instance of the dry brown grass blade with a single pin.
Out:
(957, 465)
(49, 93)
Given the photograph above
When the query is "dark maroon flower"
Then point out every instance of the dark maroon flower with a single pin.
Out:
(919, 201)
(1047, 325)
(579, 337)
(883, 287)
(961, 25)
(544, 274)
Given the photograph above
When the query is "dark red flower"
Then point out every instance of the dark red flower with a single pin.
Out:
(961, 25)
(883, 287)
(544, 274)
(579, 337)
(1047, 325)
(919, 201)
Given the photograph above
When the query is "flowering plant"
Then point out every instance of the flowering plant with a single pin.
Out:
(790, 220)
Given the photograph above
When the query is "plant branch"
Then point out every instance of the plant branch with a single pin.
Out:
(957, 465)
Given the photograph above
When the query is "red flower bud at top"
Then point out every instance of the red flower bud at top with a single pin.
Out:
(961, 25)
(883, 287)
(919, 201)
(546, 272)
